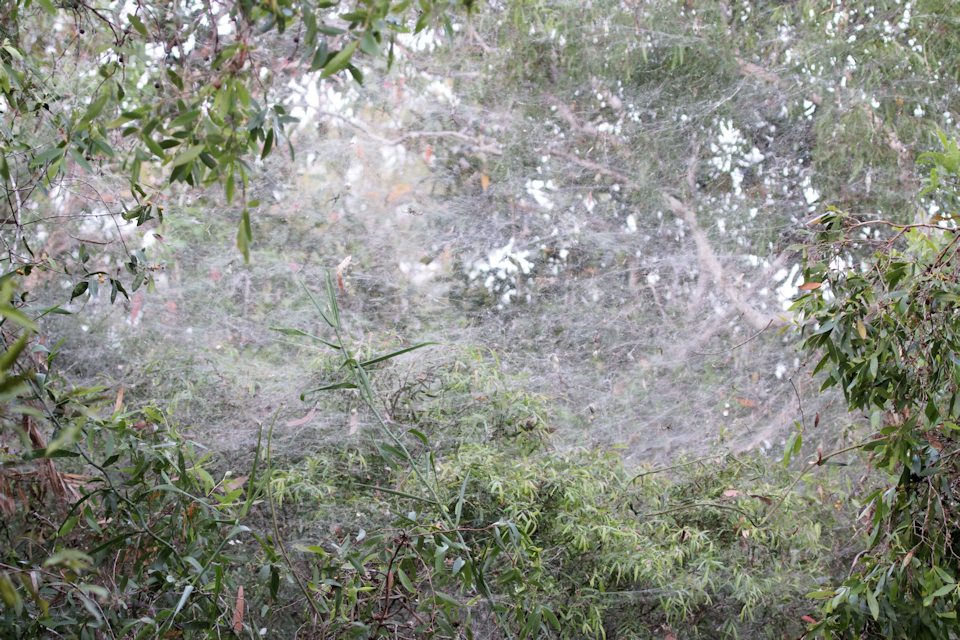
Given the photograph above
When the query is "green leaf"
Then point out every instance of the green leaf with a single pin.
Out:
(13, 51)
(288, 331)
(369, 45)
(446, 599)
(267, 144)
(80, 160)
(873, 604)
(356, 73)
(340, 61)
(191, 154)
(137, 24)
(793, 447)
(94, 110)
(419, 435)
(405, 581)
(10, 355)
(9, 594)
(532, 624)
(208, 160)
(327, 30)
(80, 289)
(394, 492)
(50, 155)
(320, 57)
(551, 618)
(331, 387)
(942, 591)
(372, 361)
(183, 600)
(244, 235)
(154, 147)
(186, 120)
(17, 316)
(228, 187)
(175, 79)
(69, 558)
(458, 509)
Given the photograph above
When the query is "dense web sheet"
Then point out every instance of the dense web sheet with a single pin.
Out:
(601, 214)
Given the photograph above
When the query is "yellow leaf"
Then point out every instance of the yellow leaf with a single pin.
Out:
(484, 182)
(861, 329)
(398, 192)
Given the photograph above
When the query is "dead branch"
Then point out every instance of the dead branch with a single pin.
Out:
(711, 264)
(477, 143)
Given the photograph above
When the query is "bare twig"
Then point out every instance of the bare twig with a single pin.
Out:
(710, 262)
(736, 346)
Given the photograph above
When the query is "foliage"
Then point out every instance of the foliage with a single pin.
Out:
(570, 536)
(465, 521)
(888, 337)
(165, 93)
(112, 527)
(550, 544)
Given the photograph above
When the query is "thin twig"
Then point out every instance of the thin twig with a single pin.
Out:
(819, 462)
(676, 466)
(736, 346)
(276, 525)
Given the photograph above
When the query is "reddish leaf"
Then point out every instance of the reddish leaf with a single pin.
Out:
(299, 422)
(238, 611)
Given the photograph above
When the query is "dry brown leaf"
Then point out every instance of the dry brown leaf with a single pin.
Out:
(341, 270)
(238, 611)
(233, 483)
(119, 402)
(934, 439)
(810, 286)
(747, 403)
(354, 422)
(7, 506)
(907, 558)
(299, 422)
(136, 307)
